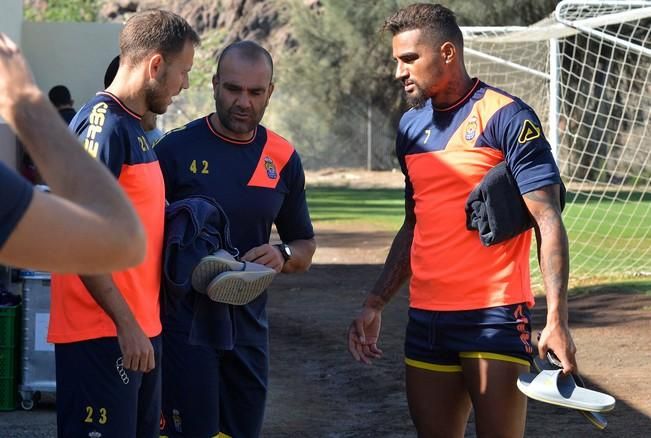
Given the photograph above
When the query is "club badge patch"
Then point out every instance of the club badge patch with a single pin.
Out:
(270, 167)
(471, 129)
(529, 132)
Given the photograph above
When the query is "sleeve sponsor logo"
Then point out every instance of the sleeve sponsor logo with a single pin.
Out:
(529, 132)
(96, 120)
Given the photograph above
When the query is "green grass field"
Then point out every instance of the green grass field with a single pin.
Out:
(610, 239)
(383, 208)
(609, 232)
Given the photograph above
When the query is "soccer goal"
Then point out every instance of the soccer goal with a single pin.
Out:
(586, 71)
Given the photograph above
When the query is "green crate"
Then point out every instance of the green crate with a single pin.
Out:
(8, 357)
(7, 394)
(7, 362)
(8, 326)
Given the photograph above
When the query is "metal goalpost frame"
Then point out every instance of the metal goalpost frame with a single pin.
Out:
(560, 27)
(586, 65)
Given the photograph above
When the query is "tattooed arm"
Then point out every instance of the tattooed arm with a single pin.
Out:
(364, 331)
(553, 258)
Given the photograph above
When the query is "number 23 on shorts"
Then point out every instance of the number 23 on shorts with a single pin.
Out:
(100, 416)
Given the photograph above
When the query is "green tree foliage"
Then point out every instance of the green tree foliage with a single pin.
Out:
(63, 10)
(603, 85)
(501, 12)
(340, 67)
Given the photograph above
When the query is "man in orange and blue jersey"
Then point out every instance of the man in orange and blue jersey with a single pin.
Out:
(106, 329)
(468, 336)
(218, 387)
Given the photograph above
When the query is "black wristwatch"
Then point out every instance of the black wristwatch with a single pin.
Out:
(285, 250)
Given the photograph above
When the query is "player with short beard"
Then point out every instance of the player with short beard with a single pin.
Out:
(106, 329)
(469, 331)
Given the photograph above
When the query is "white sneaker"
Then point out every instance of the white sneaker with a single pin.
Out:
(212, 265)
(240, 287)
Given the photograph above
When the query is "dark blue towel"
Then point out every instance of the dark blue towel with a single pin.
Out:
(495, 207)
(194, 228)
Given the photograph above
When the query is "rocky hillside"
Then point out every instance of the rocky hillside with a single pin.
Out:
(259, 20)
(264, 21)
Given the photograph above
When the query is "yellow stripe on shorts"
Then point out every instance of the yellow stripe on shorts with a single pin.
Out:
(433, 366)
(493, 356)
(219, 435)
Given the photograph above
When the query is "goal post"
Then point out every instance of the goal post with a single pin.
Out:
(586, 72)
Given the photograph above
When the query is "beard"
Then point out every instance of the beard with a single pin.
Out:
(155, 99)
(417, 98)
(228, 121)
(155, 96)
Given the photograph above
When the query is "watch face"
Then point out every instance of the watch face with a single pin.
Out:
(285, 250)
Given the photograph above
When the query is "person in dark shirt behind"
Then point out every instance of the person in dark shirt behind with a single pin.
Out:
(60, 97)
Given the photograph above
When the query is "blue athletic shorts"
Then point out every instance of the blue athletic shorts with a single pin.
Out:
(437, 340)
(96, 396)
(209, 392)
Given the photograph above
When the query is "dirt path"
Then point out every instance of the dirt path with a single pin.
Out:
(316, 390)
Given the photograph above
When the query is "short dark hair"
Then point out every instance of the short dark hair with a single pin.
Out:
(436, 20)
(155, 31)
(60, 95)
(249, 50)
(111, 71)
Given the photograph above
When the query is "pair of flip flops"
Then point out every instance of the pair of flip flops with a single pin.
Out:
(227, 280)
(549, 385)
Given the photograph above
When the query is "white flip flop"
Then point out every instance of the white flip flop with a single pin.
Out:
(551, 386)
(595, 418)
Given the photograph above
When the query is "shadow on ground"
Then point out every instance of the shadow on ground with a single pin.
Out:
(317, 390)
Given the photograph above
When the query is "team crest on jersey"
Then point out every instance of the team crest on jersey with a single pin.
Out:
(270, 167)
(471, 129)
(94, 434)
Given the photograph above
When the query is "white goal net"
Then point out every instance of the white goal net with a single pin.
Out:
(586, 71)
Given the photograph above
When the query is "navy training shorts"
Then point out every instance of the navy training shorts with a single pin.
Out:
(437, 340)
(209, 392)
(96, 396)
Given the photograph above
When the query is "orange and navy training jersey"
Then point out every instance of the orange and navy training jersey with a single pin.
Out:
(111, 133)
(444, 153)
(258, 183)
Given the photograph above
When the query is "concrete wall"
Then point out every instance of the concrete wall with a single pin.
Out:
(11, 18)
(11, 21)
(72, 54)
